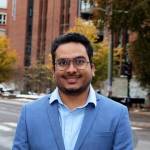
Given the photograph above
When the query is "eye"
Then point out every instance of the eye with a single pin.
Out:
(62, 62)
(80, 61)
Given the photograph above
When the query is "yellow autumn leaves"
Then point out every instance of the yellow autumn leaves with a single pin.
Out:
(7, 59)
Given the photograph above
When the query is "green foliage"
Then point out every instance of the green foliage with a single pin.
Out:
(7, 60)
(140, 49)
(131, 15)
(38, 78)
(100, 60)
(125, 14)
(139, 15)
(140, 55)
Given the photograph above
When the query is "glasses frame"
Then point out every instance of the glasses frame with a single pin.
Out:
(74, 63)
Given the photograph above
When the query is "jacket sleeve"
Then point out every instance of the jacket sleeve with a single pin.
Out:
(21, 140)
(123, 135)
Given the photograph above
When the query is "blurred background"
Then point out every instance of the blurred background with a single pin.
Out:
(119, 32)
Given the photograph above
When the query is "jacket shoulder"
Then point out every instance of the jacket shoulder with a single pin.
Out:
(39, 103)
(108, 104)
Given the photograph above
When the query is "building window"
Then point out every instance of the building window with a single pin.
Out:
(85, 5)
(3, 18)
(28, 46)
(31, 11)
(65, 16)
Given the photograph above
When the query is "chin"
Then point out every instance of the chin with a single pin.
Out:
(73, 91)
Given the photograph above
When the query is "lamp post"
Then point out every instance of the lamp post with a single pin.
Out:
(110, 52)
(110, 65)
(108, 13)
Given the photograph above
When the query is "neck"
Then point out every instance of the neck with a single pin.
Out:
(74, 101)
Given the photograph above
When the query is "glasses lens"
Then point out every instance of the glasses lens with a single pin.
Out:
(80, 62)
(62, 64)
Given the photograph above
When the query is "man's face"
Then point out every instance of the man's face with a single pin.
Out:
(73, 79)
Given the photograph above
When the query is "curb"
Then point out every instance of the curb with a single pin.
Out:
(21, 96)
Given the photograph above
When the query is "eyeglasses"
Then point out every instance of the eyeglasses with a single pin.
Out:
(78, 62)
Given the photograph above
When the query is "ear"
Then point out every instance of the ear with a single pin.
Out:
(93, 69)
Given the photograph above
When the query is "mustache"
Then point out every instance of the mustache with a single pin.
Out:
(69, 76)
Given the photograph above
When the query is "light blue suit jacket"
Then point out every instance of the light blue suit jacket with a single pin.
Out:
(105, 127)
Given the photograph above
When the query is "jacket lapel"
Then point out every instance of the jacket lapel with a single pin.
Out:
(90, 114)
(55, 124)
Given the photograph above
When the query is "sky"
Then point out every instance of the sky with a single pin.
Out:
(3, 3)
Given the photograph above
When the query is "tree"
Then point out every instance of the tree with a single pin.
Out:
(7, 60)
(118, 61)
(100, 60)
(140, 54)
(86, 28)
(39, 78)
(129, 15)
(120, 14)
(140, 49)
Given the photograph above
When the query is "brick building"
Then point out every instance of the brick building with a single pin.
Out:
(3, 17)
(33, 25)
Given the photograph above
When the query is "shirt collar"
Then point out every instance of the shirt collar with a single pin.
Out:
(90, 100)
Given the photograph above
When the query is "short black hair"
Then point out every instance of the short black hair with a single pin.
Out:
(72, 37)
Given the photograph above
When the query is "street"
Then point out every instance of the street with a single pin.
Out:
(9, 113)
(143, 137)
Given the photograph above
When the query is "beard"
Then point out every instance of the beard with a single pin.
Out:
(74, 91)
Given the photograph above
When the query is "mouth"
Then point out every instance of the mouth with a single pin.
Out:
(72, 79)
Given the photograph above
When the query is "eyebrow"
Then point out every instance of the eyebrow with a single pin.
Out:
(80, 57)
(71, 58)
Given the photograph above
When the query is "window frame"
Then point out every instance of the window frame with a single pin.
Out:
(3, 19)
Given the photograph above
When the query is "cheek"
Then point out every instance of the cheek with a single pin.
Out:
(57, 76)
(87, 75)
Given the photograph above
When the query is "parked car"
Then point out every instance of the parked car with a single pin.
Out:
(4, 89)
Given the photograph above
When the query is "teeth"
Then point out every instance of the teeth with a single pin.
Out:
(71, 78)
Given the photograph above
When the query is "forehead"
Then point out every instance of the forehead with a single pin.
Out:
(71, 50)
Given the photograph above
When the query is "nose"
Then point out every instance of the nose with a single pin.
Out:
(71, 68)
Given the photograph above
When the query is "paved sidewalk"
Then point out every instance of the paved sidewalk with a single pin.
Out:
(140, 118)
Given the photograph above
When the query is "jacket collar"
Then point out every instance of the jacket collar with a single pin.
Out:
(53, 115)
(91, 97)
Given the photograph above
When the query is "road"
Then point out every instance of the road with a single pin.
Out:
(9, 113)
(143, 136)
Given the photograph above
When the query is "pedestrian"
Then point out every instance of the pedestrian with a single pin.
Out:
(73, 116)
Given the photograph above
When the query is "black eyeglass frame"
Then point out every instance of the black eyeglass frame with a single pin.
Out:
(79, 62)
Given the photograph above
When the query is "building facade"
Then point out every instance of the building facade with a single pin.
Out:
(3, 17)
(34, 24)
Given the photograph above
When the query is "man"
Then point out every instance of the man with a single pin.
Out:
(73, 116)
